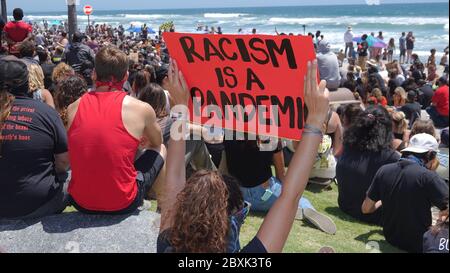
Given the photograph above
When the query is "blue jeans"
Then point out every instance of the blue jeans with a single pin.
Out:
(439, 120)
(262, 199)
(236, 221)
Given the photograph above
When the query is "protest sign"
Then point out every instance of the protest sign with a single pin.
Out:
(245, 83)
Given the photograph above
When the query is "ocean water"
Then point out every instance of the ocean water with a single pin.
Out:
(429, 22)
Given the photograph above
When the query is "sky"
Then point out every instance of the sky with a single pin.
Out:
(60, 5)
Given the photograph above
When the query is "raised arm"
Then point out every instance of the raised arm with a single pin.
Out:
(176, 169)
(278, 222)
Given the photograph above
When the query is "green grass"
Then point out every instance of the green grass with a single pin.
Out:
(352, 236)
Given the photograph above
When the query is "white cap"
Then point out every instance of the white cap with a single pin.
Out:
(422, 143)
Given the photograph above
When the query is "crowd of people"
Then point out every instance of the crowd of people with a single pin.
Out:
(86, 121)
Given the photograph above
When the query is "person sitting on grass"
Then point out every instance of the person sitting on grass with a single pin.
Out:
(33, 149)
(438, 110)
(400, 130)
(412, 109)
(105, 131)
(199, 212)
(406, 190)
(367, 147)
(435, 240)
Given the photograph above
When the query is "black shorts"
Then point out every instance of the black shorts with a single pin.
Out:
(148, 167)
(402, 52)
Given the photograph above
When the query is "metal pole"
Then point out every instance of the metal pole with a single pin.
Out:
(4, 11)
(72, 16)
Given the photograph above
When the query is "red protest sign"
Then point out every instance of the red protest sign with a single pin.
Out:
(246, 83)
(88, 10)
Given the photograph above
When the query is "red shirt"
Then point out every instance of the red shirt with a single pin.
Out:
(102, 154)
(17, 30)
(440, 100)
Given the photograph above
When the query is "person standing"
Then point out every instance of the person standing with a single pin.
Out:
(402, 42)
(80, 57)
(16, 32)
(391, 50)
(410, 40)
(348, 39)
(362, 52)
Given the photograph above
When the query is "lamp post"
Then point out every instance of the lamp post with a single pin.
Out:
(4, 12)
(72, 16)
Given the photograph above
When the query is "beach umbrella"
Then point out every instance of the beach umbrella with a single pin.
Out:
(134, 29)
(372, 41)
(138, 29)
(55, 22)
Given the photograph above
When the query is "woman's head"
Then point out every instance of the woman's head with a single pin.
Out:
(377, 94)
(140, 81)
(201, 214)
(349, 115)
(392, 42)
(36, 77)
(421, 126)
(61, 71)
(154, 95)
(399, 96)
(371, 131)
(68, 91)
(399, 122)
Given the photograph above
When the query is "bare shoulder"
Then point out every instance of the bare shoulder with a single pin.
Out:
(138, 107)
(72, 111)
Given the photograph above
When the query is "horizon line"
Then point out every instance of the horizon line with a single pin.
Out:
(264, 6)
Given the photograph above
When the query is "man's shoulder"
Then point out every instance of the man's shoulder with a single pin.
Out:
(136, 105)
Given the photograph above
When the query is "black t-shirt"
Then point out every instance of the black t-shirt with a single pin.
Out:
(412, 111)
(407, 191)
(362, 49)
(436, 243)
(410, 43)
(48, 71)
(163, 245)
(427, 95)
(354, 172)
(247, 163)
(32, 135)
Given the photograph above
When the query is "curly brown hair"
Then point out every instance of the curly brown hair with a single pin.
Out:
(68, 91)
(61, 71)
(201, 222)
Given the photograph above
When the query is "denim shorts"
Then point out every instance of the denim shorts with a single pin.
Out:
(263, 199)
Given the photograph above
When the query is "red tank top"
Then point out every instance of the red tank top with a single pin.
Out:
(102, 154)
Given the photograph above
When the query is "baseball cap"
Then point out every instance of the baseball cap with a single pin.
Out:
(422, 143)
(14, 75)
(161, 72)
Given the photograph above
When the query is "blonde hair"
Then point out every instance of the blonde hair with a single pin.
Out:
(399, 121)
(377, 94)
(400, 92)
(61, 71)
(35, 77)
